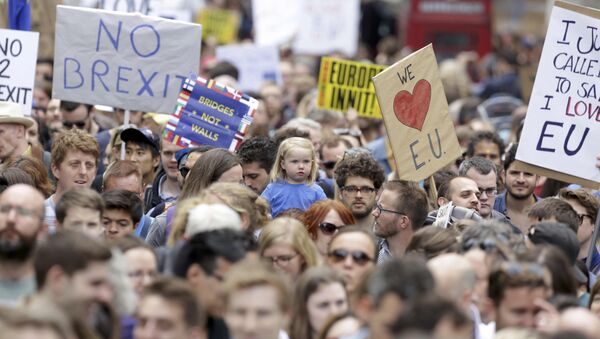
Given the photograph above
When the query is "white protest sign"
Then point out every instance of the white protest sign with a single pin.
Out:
(18, 55)
(275, 21)
(328, 26)
(148, 7)
(562, 127)
(256, 64)
(123, 60)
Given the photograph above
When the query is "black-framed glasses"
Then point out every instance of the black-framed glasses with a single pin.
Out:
(381, 209)
(329, 228)
(329, 164)
(282, 260)
(359, 257)
(490, 191)
(362, 189)
(582, 216)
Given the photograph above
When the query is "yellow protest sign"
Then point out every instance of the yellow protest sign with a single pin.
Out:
(415, 113)
(220, 23)
(344, 84)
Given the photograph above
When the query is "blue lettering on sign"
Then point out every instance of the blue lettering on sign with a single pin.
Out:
(146, 83)
(77, 70)
(120, 78)
(547, 135)
(113, 40)
(100, 75)
(132, 38)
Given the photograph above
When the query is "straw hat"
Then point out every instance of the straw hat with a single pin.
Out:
(12, 113)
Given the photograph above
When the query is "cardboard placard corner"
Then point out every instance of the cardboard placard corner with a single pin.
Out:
(415, 113)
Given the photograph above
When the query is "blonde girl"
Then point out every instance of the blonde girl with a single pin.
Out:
(293, 177)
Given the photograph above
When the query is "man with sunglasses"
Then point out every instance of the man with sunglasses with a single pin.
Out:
(586, 206)
(359, 177)
(352, 253)
(79, 116)
(332, 150)
(400, 211)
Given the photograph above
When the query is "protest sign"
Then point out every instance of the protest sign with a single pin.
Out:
(275, 21)
(208, 113)
(256, 64)
(220, 24)
(123, 60)
(148, 7)
(562, 123)
(328, 26)
(415, 113)
(344, 84)
(18, 55)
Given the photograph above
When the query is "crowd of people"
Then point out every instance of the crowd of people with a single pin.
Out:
(107, 230)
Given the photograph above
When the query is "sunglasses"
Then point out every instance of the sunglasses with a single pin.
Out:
(79, 124)
(329, 228)
(359, 257)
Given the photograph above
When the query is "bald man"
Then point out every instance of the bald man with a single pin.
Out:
(456, 284)
(21, 223)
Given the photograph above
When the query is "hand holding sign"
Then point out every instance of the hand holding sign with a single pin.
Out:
(415, 112)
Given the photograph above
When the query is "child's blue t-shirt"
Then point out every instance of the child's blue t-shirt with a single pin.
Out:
(282, 195)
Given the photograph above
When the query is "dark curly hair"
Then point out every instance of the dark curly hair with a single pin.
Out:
(359, 165)
(477, 137)
(260, 149)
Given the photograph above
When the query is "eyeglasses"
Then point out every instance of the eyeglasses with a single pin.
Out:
(490, 191)
(21, 211)
(359, 257)
(329, 228)
(79, 124)
(381, 209)
(582, 216)
(282, 260)
(363, 190)
(329, 164)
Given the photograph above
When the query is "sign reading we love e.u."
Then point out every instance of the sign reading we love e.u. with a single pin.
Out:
(415, 113)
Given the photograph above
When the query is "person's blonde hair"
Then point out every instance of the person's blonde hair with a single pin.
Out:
(180, 219)
(290, 232)
(277, 173)
(242, 200)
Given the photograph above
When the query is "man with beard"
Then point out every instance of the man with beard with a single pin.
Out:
(519, 196)
(400, 211)
(359, 177)
(21, 221)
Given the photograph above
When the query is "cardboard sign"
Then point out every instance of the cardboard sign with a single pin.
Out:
(562, 127)
(256, 64)
(415, 113)
(275, 21)
(18, 55)
(344, 84)
(123, 60)
(328, 26)
(219, 23)
(208, 113)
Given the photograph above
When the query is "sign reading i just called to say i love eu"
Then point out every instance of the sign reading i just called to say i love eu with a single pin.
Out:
(344, 84)
(18, 54)
(415, 113)
(123, 60)
(561, 134)
(209, 113)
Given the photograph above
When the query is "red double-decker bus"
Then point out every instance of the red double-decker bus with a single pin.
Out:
(451, 25)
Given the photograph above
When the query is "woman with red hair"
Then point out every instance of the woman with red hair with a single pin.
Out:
(323, 219)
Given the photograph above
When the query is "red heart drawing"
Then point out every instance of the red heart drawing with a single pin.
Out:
(411, 109)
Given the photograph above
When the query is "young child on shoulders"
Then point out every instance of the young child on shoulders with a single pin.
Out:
(293, 177)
